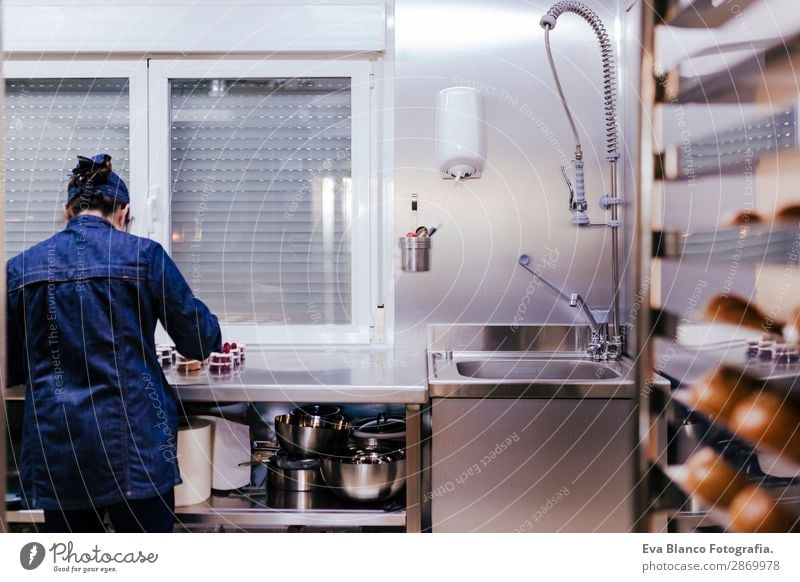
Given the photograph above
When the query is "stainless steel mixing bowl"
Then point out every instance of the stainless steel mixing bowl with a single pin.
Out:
(303, 437)
(365, 474)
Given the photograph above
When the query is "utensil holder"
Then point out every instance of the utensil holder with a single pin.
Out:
(415, 254)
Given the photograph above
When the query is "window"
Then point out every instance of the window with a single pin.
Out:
(262, 197)
(257, 175)
(48, 122)
(265, 166)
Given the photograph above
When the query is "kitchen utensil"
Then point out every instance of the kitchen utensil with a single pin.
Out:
(321, 411)
(304, 437)
(389, 431)
(291, 474)
(296, 500)
(415, 253)
(365, 473)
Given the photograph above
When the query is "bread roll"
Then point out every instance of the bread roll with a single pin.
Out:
(754, 510)
(718, 393)
(710, 478)
(745, 218)
(788, 212)
(768, 419)
(738, 311)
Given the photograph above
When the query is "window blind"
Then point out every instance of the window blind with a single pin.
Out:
(48, 123)
(261, 197)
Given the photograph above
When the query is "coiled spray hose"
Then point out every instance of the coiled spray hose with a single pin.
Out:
(548, 22)
(578, 205)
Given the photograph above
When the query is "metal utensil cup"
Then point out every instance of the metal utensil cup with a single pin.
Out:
(415, 253)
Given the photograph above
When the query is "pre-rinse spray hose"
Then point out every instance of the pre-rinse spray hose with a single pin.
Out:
(548, 22)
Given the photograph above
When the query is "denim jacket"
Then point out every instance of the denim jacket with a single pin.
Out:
(100, 420)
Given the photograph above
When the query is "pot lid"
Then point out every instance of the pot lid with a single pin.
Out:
(282, 460)
(380, 427)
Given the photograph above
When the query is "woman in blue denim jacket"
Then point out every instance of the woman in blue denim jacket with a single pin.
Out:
(100, 421)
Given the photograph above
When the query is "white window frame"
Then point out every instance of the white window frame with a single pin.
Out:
(158, 203)
(136, 73)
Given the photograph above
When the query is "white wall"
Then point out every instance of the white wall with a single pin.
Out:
(186, 26)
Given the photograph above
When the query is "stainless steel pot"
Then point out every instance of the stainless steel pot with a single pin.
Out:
(382, 430)
(289, 474)
(321, 411)
(304, 437)
(299, 500)
(365, 474)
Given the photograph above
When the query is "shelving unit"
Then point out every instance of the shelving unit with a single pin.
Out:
(724, 53)
(700, 13)
(757, 244)
(730, 149)
(715, 69)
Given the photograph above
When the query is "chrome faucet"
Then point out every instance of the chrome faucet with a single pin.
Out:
(600, 347)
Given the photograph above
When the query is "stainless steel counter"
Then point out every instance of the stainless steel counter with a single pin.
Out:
(353, 375)
(340, 376)
(319, 375)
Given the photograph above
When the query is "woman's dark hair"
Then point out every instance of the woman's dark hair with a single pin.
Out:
(88, 200)
(83, 179)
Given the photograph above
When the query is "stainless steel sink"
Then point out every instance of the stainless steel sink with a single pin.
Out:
(535, 361)
(533, 369)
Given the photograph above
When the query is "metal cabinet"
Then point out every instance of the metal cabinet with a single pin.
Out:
(531, 465)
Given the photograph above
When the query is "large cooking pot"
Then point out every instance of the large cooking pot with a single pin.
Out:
(304, 437)
(365, 474)
(379, 431)
(289, 474)
(320, 411)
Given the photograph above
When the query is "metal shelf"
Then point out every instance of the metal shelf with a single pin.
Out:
(243, 512)
(758, 244)
(731, 62)
(716, 515)
(737, 149)
(14, 393)
(684, 365)
(701, 13)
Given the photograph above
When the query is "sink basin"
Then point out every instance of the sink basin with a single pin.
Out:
(528, 361)
(535, 369)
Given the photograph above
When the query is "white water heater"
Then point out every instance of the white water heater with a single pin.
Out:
(460, 133)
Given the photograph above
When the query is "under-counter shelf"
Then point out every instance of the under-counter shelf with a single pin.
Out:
(701, 13)
(248, 512)
(758, 244)
(733, 150)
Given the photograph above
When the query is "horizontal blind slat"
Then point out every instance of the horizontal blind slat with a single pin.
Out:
(48, 122)
(260, 175)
